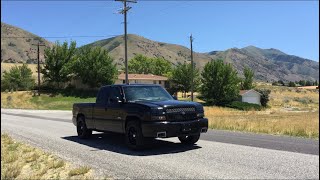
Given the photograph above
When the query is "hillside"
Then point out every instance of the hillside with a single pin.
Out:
(140, 45)
(268, 64)
(18, 50)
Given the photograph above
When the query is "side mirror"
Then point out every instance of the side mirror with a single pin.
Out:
(115, 100)
(175, 97)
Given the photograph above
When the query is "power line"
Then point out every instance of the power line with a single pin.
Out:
(48, 37)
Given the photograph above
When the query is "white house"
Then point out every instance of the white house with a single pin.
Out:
(250, 96)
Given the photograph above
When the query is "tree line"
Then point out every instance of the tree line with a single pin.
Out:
(296, 83)
(218, 83)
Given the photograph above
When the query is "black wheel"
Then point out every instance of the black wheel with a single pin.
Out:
(82, 130)
(190, 140)
(134, 138)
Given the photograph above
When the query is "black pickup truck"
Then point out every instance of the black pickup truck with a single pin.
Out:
(141, 112)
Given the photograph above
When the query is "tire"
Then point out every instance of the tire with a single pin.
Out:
(189, 140)
(133, 136)
(82, 130)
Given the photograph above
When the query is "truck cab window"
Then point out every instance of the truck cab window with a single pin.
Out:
(114, 95)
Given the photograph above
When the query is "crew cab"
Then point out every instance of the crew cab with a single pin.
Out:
(141, 112)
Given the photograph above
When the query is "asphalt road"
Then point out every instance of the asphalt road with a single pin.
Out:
(219, 154)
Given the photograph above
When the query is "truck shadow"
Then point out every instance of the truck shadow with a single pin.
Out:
(115, 143)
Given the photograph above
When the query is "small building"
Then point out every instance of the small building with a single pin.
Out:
(143, 79)
(250, 96)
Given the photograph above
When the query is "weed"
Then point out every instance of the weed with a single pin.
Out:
(79, 171)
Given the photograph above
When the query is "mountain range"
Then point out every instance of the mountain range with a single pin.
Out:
(268, 64)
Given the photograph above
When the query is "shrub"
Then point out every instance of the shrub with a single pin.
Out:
(264, 96)
(18, 78)
(244, 106)
(292, 84)
(11, 44)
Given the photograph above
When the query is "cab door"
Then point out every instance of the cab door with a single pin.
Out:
(114, 110)
(100, 114)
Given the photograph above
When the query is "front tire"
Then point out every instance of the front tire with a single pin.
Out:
(82, 130)
(133, 136)
(189, 140)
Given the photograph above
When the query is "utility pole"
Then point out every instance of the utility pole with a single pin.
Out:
(124, 12)
(38, 45)
(191, 40)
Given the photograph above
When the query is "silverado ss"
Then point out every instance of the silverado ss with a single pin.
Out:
(140, 112)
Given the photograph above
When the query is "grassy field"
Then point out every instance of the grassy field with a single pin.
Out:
(293, 111)
(21, 161)
(26, 100)
(300, 124)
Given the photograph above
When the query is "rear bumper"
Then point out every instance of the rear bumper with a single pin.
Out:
(174, 129)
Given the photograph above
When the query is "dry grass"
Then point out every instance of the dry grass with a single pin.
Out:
(297, 99)
(302, 124)
(79, 171)
(20, 161)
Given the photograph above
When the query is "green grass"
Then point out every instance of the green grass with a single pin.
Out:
(58, 102)
(26, 100)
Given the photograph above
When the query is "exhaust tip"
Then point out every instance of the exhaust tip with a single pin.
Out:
(161, 134)
(204, 130)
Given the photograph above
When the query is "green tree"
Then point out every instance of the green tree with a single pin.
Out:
(140, 64)
(161, 66)
(220, 83)
(58, 61)
(181, 78)
(143, 65)
(292, 84)
(316, 83)
(302, 82)
(247, 82)
(95, 67)
(18, 78)
(308, 83)
(27, 81)
(281, 82)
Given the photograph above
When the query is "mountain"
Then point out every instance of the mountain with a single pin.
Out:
(140, 45)
(19, 50)
(268, 64)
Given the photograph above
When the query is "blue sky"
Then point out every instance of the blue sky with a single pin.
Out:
(290, 26)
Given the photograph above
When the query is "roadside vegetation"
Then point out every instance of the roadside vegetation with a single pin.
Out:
(21, 161)
(28, 100)
(300, 124)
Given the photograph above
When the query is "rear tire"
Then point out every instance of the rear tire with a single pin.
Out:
(189, 140)
(133, 136)
(82, 130)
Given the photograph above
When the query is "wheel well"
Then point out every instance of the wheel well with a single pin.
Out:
(131, 118)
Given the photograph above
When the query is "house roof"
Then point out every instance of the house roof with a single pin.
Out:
(142, 77)
(242, 92)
